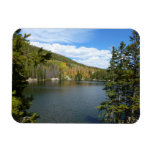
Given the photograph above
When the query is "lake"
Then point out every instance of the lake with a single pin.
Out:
(66, 101)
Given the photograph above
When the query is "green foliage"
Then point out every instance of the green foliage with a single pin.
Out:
(78, 77)
(99, 75)
(19, 78)
(123, 89)
(20, 104)
(41, 64)
(19, 109)
(31, 118)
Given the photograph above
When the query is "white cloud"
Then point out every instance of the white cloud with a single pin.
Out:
(84, 55)
(59, 35)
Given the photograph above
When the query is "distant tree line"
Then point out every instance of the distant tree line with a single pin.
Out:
(37, 67)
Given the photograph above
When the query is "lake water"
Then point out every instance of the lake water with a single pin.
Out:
(67, 101)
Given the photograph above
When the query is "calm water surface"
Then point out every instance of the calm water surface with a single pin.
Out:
(67, 101)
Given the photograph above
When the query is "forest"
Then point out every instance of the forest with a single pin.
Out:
(57, 66)
(122, 78)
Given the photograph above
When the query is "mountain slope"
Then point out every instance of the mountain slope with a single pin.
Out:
(59, 67)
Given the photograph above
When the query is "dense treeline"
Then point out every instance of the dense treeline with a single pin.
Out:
(57, 67)
(123, 88)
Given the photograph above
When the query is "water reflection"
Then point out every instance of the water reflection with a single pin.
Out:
(66, 101)
(65, 83)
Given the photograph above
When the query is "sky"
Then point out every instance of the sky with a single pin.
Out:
(92, 47)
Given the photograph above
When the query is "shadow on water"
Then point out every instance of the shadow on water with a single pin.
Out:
(91, 119)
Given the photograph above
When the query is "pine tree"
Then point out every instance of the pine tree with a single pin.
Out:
(20, 104)
(123, 88)
(134, 77)
(19, 79)
(78, 77)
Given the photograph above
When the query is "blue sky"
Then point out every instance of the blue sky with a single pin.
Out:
(88, 46)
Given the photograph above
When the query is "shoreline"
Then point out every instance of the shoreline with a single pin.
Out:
(31, 80)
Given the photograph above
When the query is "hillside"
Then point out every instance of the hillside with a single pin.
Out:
(58, 66)
(62, 58)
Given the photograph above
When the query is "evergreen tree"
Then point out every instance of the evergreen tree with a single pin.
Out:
(78, 77)
(19, 79)
(19, 103)
(123, 88)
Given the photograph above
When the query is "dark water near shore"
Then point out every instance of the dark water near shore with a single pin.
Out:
(67, 101)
